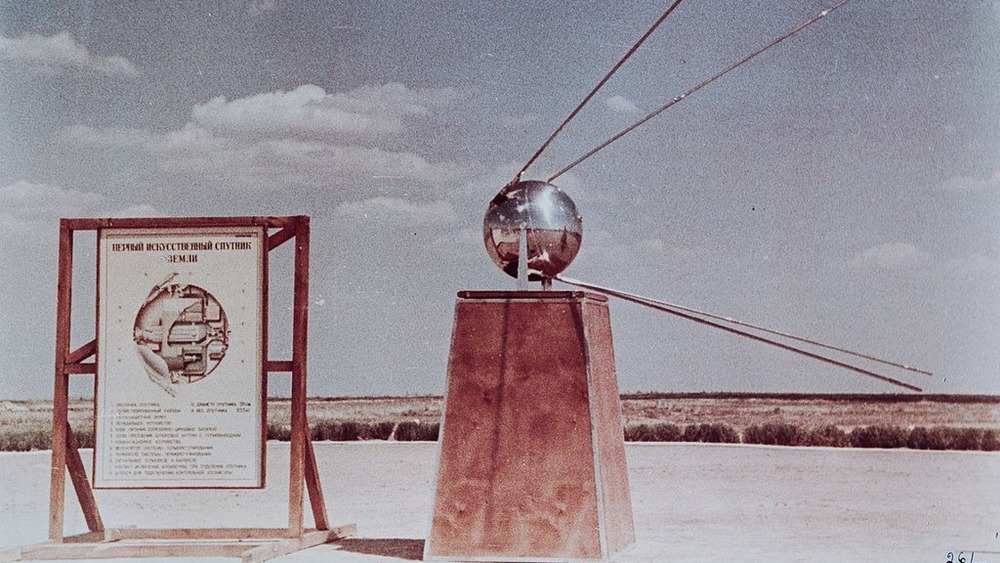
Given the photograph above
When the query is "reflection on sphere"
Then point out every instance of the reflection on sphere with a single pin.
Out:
(553, 227)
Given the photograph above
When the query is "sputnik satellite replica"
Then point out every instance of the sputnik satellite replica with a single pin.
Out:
(532, 461)
(532, 455)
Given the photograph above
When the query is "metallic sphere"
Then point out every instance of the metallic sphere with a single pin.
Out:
(553, 228)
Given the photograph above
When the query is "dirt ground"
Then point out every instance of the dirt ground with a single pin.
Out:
(691, 502)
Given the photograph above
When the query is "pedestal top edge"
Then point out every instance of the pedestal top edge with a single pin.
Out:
(523, 295)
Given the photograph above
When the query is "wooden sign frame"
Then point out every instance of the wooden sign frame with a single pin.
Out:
(252, 544)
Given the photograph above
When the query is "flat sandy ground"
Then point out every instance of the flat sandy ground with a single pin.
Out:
(691, 502)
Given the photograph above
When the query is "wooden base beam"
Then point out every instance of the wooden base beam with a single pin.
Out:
(251, 545)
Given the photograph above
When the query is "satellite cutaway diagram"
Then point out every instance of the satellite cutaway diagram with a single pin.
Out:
(181, 333)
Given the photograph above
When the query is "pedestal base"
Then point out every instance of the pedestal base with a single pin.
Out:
(532, 463)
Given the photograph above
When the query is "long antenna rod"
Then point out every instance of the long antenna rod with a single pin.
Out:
(600, 84)
(783, 334)
(683, 96)
(666, 308)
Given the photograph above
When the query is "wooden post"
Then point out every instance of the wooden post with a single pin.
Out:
(60, 394)
(300, 327)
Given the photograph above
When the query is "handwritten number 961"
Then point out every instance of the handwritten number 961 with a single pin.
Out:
(961, 558)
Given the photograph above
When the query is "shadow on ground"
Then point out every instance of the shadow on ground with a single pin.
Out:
(409, 549)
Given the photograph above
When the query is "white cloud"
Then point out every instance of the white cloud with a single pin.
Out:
(288, 160)
(905, 257)
(582, 193)
(975, 265)
(397, 212)
(292, 141)
(194, 150)
(652, 250)
(34, 210)
(972, 183)
(141, 210)
(621, 104)
(891, 256)
(261, 7)
(521, 120)
(27, 201)
(310, 111)
(105, 136)
(61, 52)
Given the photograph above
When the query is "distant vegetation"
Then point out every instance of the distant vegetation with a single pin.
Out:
(850, 397)
(38, 439)
(879, 436)
(914, 421)
(350, 431)
(776, 434)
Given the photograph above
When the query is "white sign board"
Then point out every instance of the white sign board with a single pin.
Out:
(180, 396)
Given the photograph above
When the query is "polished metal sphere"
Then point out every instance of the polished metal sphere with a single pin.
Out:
(549, 219)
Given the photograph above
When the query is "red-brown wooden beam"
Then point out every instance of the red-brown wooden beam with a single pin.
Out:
(178, 222)
(278, 365)
(78, 475)
(315, 487)
(78, 369)
(60, 392)
(82, 353)
(280, 237)
(300, 324)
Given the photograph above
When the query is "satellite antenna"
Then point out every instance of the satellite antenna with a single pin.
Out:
(532, 463)
(554, 228)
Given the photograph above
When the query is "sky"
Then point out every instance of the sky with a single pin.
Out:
(844, 186)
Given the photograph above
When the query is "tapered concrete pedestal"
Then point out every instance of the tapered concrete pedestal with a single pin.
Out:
(532, 464)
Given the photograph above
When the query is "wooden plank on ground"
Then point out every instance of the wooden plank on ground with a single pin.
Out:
(8, 554)
(309, 539)
(197, 533)
(120, 549)
(88, 537)
(251, 547)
